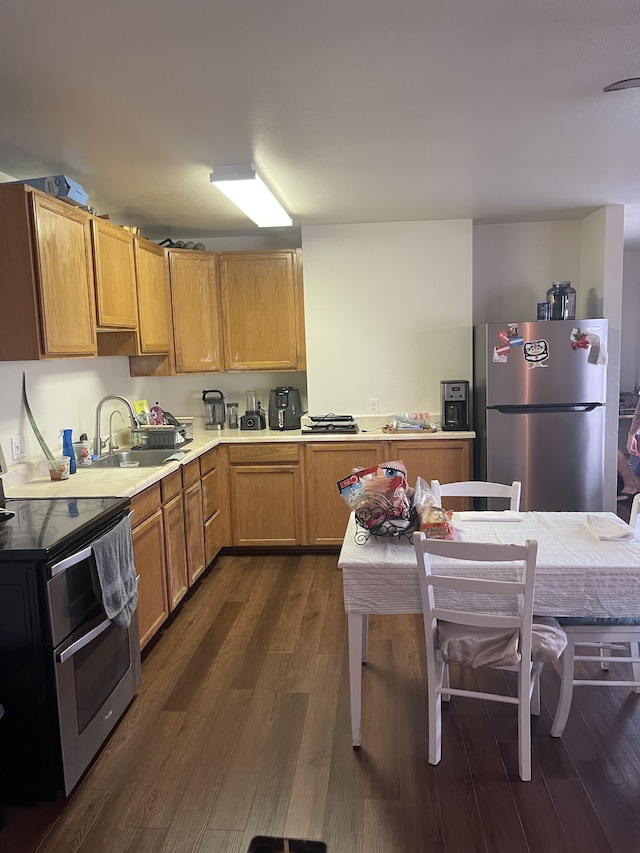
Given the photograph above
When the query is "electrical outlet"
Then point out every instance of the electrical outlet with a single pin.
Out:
(17, 448)
(374, 406)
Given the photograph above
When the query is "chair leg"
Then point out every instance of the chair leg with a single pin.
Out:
(524, 723)
(446, 697)
(635, 666)
(535, 696)
(566, 690)
(435, 670)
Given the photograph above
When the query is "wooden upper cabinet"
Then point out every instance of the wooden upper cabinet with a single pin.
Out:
(196, 314)
(46, 277)
(262, 310)
(114, 275)
(154, 298)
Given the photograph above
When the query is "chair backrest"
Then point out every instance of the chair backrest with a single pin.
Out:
(479, 489)
(517, 592)
(634, 521)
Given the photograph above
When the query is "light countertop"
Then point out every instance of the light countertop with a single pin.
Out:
(92, 482)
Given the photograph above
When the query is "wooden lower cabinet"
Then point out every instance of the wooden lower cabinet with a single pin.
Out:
(214, 479)
(175, 550)
(266, 495)
(446, 460)
(149, 554)
(193, 519)
(325, 464)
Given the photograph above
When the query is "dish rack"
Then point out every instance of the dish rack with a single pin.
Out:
(166, 437)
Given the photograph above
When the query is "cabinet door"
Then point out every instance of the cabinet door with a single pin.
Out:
(148, 549)
(266, 504)
(439, 459)
(262, 310)
(212, 515)
(154, 298)
(175, 550)
(194, 526)
(196, 315)
(65, 272)
(327, 513)
(114, 276)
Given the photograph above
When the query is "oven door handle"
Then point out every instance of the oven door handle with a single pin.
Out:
(78, 557)
(75, 645)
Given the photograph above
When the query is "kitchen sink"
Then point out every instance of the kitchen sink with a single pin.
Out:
(145, 457)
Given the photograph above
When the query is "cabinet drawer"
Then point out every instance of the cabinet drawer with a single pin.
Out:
(208, 461)
(171, 485)
(146, 503)
(190, 473)
(263, 453)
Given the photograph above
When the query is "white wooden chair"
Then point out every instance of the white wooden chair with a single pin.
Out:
(442, 623)
(479, 489)
(616, 635)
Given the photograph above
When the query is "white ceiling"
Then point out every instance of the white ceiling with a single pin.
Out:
(353, 110)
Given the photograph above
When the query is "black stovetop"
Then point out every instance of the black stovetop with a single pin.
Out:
(41, 527)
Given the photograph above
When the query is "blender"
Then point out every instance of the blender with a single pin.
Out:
(254, 417)
(214, 409)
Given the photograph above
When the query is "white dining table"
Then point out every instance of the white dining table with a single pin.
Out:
(577, 574)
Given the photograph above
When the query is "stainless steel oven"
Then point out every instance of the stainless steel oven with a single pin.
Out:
(96, 663)
(67, 672)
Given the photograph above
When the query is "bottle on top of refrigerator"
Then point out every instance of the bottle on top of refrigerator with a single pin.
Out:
(562, 301)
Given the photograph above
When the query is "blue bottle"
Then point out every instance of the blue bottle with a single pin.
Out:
(67, 450)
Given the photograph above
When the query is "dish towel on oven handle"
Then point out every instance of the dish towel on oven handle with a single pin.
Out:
(117, 573)
(609, 528)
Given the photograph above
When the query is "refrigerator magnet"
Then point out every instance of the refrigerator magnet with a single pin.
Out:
(536, 353)
(503, 336)
(500, 354)
(579, 340)
(516, 341)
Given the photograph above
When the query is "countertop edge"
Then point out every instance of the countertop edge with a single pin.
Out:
(93, 482)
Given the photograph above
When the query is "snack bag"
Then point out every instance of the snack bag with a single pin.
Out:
(434, 521)
(379, 497)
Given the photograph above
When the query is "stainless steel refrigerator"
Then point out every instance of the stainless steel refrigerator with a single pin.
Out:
(539, 410)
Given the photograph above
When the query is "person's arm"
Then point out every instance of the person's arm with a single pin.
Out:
(634, 428)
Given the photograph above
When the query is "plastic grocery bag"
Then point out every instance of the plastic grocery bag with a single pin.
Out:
(380, 498)
(433, 521)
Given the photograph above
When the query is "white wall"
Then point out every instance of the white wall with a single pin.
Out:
(63, 394)
(388, 314)
(630, 330)
(515, 264)
(601, 261)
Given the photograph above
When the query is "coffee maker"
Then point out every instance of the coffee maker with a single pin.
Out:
(285, 409)
(455, 405)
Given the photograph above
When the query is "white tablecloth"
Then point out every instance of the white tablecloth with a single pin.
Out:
(576, 575)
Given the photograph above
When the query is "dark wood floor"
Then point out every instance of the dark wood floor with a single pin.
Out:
(242, 728)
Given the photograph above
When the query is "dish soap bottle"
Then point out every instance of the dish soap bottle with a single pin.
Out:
(67, 449)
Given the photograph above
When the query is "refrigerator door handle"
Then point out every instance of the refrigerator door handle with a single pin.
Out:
(551, 408)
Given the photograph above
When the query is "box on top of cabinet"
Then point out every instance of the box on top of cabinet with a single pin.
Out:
(59, 186)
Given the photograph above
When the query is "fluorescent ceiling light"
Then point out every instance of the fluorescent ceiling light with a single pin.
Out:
(246, 189)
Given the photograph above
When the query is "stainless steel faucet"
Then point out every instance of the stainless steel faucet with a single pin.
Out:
(98, 444)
